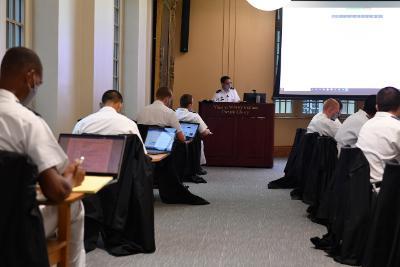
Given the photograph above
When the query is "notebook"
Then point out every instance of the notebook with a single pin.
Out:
(159, 140)
(92, 184)
(189, 129)
(103, 158)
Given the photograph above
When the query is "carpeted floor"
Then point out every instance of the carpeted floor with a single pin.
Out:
(245, 225)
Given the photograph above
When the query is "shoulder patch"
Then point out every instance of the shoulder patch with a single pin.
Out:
(218, 91)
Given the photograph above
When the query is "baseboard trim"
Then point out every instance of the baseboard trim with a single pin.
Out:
(282, 151)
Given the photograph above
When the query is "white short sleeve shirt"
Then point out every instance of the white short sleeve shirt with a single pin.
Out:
(107, 121)
(24, 132)
(323, 125)
(226, 96)
(160, 115)
(184, 114)
(379, 139)
(347, 135)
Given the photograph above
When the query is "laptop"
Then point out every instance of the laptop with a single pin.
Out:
(189, 129)
(159, 140)
(254, 97)
(103, 153)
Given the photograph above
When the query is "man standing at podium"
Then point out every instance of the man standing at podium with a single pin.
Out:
(227, 93)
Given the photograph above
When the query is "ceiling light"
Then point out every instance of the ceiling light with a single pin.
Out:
(268, 5)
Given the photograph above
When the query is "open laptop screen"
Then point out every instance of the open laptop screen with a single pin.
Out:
(160, 139)
(103, 153)
(189, 129)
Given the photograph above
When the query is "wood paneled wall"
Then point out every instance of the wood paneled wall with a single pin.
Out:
(229, 37)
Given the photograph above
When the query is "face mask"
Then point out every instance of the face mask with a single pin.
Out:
(31, 95)
(226, 86)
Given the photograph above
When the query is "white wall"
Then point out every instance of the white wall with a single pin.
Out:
(58, 31)
(103, 49)
(3, 15)
(137, 56)
(74, 39)
(45, 43)
(68, 46)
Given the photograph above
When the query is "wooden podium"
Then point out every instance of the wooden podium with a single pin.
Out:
(243, 134)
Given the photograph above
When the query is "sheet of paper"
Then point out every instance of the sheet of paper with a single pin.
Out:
(92, 184)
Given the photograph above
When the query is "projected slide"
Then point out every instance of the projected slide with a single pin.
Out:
(339, 51)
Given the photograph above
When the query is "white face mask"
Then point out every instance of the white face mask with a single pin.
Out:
(226, 87)
(32, 93)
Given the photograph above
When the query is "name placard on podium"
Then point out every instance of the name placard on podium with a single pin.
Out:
(243, 134)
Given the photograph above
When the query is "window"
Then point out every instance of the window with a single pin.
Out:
(116, 58)
(314, 106)
(349, 107)
(283, 106)
(310, 107)
(15, 23)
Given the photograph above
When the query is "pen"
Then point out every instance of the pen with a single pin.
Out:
(81, 159)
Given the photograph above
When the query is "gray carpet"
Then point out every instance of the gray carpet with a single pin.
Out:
(245, 225)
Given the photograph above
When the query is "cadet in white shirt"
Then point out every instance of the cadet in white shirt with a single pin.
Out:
(227, 93)
(185, 113)
(24, 132)
(379, 138)
(347, 134)
(160, 114)
(326, 122)
(108, 120)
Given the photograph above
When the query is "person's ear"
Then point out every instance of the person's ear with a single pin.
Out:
(376, 106)
(29, 78)
(167, 101)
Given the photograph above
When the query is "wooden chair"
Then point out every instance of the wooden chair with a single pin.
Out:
(58, 249)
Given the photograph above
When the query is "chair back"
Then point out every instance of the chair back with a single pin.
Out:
(384, 235)
(303, 164)
(124, 211)
(143, 128)
(350, 217)
(22, 237)
(290, 164)
(319, 179)
(289, 180)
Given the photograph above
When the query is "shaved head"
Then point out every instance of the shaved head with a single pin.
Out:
(331, 107)
(331, 103)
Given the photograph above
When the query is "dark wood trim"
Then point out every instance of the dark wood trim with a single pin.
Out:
(282, 151)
